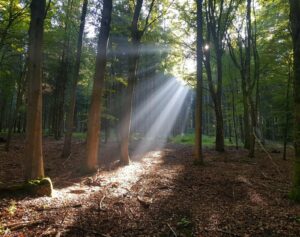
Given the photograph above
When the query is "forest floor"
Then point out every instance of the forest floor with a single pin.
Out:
(162, 194)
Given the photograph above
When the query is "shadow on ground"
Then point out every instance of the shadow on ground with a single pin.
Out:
(231, 196)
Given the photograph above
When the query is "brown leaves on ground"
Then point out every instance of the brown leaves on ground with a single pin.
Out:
(162, 194)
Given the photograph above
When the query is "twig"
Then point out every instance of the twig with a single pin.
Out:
(65, 161)
(222, 231)
(173, 231)
(100, 204)
(87, 231)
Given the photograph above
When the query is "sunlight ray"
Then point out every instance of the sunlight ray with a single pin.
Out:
(164, 122)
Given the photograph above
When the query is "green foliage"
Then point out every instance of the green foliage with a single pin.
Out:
(185, 227)
(79, 135)
(184, 222)
(189, 139)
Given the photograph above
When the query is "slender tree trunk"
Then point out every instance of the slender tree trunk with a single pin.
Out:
(33, 158)
(62, 78)
(93, 134)
(198, 118)
(70, 115)
(126, 118)
(15, 114)
(234, 121)
(249, 81)
(2, 112)
(295, 25)
(287, 114)
(219, 127)
(219, 112)
(136, 35)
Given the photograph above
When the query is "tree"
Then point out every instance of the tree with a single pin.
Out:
(136, 36)
(93, 133)
(71, 109)
(219, 15)
(33, 159)
(63, 74)
(295, 26)
(198, 119)
(246, 44)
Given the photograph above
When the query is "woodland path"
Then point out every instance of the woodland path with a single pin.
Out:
(163, 194)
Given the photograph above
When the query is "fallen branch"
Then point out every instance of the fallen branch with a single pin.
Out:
(60, 207)
(87, 231)
(17, 226)
(100, 204)
(268, 154)
(222, 231)
(173, 231)
(66, 160)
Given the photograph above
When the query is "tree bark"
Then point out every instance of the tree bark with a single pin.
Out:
(93, 133)
(287, 114)
(136, 35)
(295, 25)
(198, 114)
(62, 78)
(33, 159)
(20, 91)
(71, 109)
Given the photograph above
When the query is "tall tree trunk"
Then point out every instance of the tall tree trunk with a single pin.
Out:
(287, 114)
(62, 78)
(249, 82)
(295, 25)
(132, 75)
(15, 115)
(127, 111)
(198, 118)
(93, 133)
(33, 158)
(70, 114)
(234, 117)
(219, 127)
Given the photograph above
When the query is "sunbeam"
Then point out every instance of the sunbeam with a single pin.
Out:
(154, 99)
(165, 117)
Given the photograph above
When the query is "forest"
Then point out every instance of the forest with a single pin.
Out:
(170, 118)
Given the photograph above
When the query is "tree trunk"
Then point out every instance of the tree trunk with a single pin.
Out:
(126, 118)
(33, 158)
(93, 133)
(295, 25)
(219, 128)
(15, 115)
(234, 117)
(62, 78)
(132, 75)
(70, 115)
(287, 115)
(198, 116)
